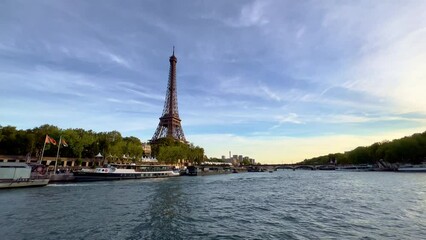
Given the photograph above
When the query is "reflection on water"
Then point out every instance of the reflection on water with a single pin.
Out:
(279, 205)
(165, 211)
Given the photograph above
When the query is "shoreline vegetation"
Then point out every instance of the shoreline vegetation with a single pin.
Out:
(406, 150)
(112, 145)
(87, 144)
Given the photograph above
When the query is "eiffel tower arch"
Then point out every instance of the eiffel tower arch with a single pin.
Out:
(170, 123)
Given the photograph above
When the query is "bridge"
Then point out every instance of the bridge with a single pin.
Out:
(294, 167)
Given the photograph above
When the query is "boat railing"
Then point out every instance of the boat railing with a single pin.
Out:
(38, 176)
(154, 169)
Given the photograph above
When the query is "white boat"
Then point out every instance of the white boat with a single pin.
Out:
(412, 168)
(14, 175)
(122, 172)
(355, 168)
(157, 171)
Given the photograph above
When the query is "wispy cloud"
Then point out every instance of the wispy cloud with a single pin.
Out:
(140, 90)
(116, 59)
(290, 118)
(268, 92)
(251, 15)
(395, 73)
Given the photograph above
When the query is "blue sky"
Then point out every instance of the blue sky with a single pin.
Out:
(279, 81)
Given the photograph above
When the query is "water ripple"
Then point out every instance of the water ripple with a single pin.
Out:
(281, 205)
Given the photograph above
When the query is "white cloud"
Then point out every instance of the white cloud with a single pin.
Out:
(238, 85)
(362, 118)
(269, 93)
(139, 90)
(253, 14)
(116, 59)
(47, 80)
(396, 72)
(250, 15)
(300, 32)
(387, 53)
(289, 118)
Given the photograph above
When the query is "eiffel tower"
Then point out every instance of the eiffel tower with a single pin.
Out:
(169, 125)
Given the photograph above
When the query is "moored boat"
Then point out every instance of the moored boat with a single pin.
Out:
(122, 172)
(327, 167)
(15, 175)
(106, 173)
(62, 177)
(156, 171)
(355, 168)
(412, 168)
(204, 170)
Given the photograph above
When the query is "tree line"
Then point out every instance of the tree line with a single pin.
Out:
(171, 151)
(410, 149)
(87, 144)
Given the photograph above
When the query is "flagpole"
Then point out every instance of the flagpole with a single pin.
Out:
(57, 154)
(42, 152)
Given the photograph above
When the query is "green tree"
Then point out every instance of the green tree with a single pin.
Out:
(162, 142)
(79, 140)
(171, 154)
(8, 138)
(133, 148)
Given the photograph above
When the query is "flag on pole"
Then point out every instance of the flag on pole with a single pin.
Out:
(64, 143)
(50, 140)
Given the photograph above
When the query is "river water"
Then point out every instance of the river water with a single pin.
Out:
(279, 205)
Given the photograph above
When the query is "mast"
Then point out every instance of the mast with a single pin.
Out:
(42, 152)
(57, 154)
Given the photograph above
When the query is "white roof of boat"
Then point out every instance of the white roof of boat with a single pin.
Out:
(13, 164)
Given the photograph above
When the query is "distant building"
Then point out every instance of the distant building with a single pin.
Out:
(237, 160)
(146, 150)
